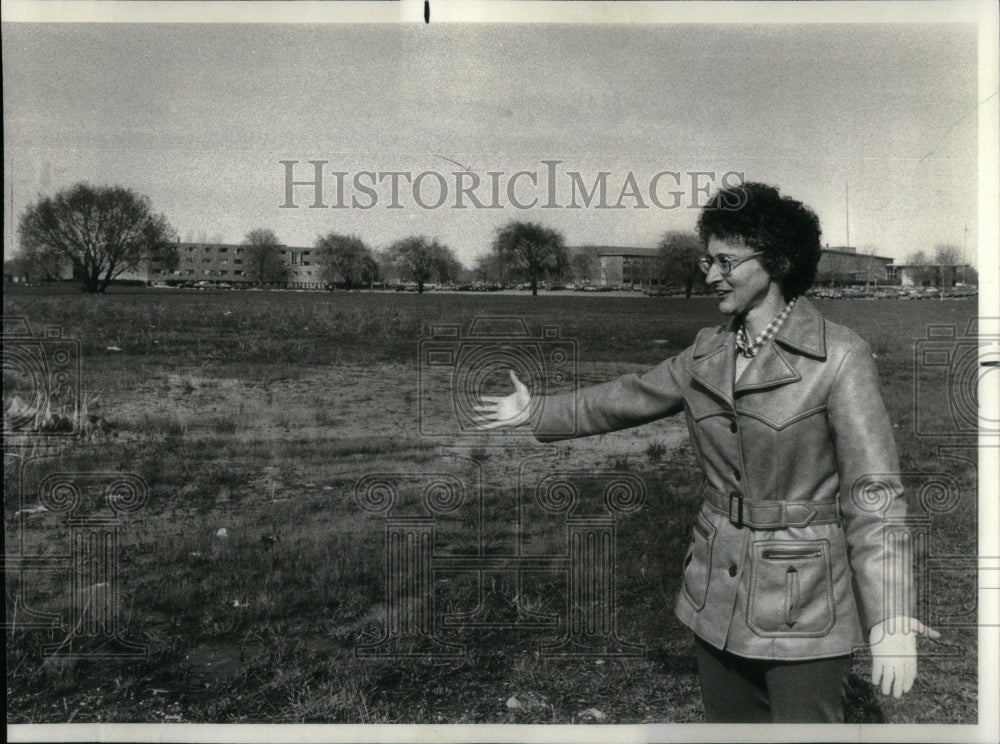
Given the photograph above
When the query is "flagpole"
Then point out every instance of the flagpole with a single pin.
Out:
(847, 213)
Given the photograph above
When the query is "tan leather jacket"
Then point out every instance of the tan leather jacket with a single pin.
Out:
(781, 549)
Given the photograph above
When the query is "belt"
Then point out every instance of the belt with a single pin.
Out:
(771, 514)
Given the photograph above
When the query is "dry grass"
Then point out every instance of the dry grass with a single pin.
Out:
(259, 412)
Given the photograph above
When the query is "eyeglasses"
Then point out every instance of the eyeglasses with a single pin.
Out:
(724, 262)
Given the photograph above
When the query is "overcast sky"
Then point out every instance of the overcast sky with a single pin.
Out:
(198, 117)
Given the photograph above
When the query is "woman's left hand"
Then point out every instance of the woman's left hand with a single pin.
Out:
(894, 653)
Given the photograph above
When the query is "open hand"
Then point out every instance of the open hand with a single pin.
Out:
(507, 410)
(894, 653)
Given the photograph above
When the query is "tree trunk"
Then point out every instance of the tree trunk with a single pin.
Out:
(91, 283)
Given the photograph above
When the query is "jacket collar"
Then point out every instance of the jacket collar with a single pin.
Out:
(804, 330)
(714, 358)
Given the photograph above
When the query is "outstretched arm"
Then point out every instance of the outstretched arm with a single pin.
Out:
(630, 400)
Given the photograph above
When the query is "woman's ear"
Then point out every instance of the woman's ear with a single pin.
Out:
(782, 266)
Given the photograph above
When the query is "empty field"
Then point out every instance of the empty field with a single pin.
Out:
(270, 415)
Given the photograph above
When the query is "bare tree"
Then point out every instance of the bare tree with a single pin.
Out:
(348, 257)
(679, 254)
(102, 231)
(490, 269)
(420, 260)
(948, 258)
(386, 266)
(263, 257)
(585, 263)
(531, 251)
(926, 273)
(947, 254)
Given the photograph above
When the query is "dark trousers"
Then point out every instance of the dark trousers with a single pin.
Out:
(740, 690)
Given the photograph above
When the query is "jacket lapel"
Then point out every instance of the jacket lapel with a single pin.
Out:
(802, 332)
(769, 368)
(714, 362)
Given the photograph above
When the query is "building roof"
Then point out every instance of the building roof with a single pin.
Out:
(851, 251)
(932, 265)
(618, 250)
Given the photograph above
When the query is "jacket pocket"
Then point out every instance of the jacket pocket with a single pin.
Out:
(698, 563)
(791, 588)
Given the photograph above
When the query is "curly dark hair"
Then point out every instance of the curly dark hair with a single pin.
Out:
(786, 230)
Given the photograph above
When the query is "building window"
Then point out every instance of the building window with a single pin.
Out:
(237, 260)
(223, 249)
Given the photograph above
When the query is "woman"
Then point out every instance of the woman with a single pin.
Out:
(791, 557)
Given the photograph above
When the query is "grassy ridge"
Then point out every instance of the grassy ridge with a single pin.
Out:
(258, 412)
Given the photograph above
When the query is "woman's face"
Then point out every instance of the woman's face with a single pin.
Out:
(746, 286)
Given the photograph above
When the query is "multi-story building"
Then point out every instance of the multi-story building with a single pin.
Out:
(227, 262)
(844, 265)
(934, 275)
(621, 266)
(624, 266)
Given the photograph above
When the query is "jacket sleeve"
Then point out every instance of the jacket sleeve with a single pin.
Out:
(872, 504)
(630, 400)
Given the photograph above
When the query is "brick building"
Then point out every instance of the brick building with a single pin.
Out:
(625, 266)
(226, 262)
(844, 265)
(621, 266)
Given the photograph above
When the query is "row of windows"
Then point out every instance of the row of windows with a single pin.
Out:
(218, 272)
(220, 249)
(239, 249)
(205, 272)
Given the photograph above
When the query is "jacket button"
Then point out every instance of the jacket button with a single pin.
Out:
(732, 570)
(737, 476)
(732, 426)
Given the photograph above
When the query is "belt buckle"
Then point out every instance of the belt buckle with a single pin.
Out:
(738, 520)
